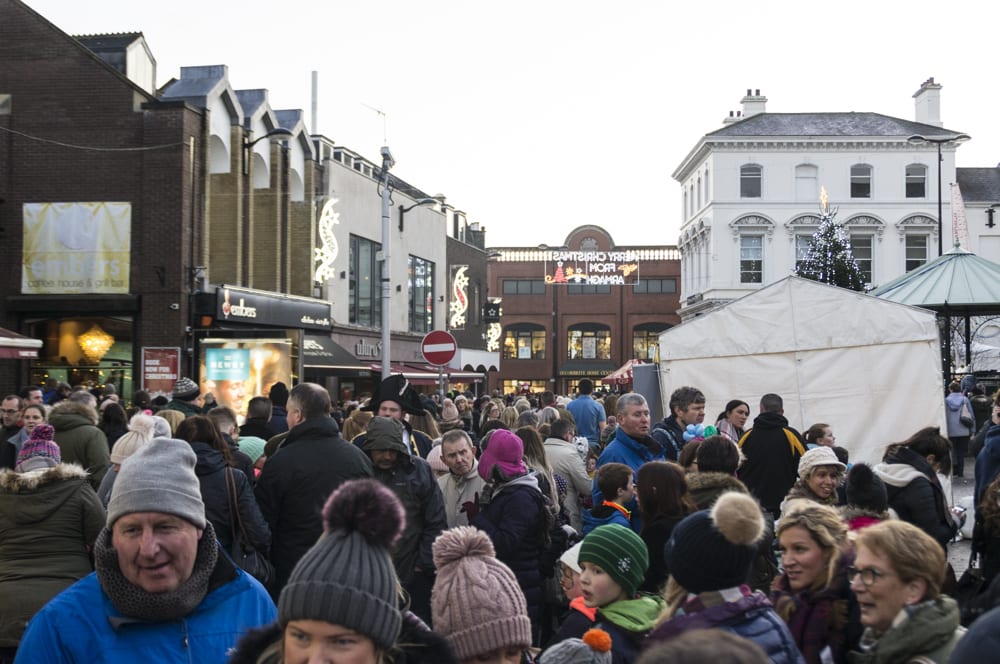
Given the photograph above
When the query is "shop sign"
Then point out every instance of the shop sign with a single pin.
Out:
(160, 369)
(249, 306)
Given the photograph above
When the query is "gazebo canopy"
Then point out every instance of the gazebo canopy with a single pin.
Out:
(958, 283)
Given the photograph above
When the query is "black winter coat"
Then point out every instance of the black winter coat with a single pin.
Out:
(915, 494)
(295, 483)
(772, 462)
(211, 472)
(516, 523)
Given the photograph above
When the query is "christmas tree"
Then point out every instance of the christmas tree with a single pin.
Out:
(829, 258)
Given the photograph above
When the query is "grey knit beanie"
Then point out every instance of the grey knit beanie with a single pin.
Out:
(159, 477)
(347, 577)
(593, 648)
(477, 604)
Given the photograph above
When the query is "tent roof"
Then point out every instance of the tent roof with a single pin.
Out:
(958, 281)
(796, 314)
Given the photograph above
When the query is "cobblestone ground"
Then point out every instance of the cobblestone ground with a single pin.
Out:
(958, 552)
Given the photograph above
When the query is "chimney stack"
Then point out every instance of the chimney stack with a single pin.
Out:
(753, 103)
(927, 101)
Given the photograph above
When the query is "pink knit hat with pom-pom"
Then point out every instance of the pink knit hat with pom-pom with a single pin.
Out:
(476, 603)
(347, 577)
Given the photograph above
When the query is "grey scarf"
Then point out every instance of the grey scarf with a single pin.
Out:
(134, 602)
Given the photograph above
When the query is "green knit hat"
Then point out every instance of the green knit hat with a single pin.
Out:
(619, 552)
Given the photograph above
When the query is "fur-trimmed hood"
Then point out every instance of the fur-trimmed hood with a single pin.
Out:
(28, 498)
(706, 487)
(71, 414)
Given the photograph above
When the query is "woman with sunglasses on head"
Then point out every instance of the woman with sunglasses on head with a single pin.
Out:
(897, 575)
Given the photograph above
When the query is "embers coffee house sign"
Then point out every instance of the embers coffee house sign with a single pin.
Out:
(239, 305)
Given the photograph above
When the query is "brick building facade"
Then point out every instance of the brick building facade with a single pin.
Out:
(580, 310)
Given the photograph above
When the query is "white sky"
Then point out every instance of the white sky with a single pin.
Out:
(537, 116)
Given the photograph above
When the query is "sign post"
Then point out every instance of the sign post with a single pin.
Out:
(438, 348)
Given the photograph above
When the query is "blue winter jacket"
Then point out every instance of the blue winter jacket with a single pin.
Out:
(82, 625)
(604, 516)
(633, 453)
(750, 616)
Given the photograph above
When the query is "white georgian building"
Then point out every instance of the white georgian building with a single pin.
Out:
(752, 195)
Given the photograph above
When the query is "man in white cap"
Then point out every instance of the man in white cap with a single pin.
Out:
(162, 590)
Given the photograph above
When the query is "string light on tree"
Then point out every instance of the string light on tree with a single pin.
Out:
(829, 258)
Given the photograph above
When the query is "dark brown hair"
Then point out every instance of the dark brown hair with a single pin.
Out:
(611, 477)
(663, 491)
(201, 429)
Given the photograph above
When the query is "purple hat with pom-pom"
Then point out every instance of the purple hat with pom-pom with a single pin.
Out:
(347, 578)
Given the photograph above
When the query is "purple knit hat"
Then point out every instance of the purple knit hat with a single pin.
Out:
(505, 451)
(39, 451)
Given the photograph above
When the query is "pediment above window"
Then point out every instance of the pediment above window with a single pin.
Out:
(752, 223)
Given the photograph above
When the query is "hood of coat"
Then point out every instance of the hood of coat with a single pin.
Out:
(210, 460)
(954, 401)
(71, 414)
(40, 492)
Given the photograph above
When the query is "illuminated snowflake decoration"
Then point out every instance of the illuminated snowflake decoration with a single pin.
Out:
(493, 337)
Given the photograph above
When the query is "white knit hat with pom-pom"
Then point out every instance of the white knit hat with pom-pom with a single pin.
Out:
(141, 430)
(476, 603)
(714, 549)
(347, 577)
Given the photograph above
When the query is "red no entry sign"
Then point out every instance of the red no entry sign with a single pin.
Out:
(438, 347)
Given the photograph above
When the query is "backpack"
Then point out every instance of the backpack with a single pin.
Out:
(555, 539)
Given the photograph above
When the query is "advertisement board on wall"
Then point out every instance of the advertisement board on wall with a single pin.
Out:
(76, 248)
(160, 369)
(236, 370)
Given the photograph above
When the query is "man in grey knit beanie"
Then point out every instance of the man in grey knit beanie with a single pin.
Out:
(157, 564)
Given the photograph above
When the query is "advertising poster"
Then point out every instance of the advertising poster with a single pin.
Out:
(160, 369)
(236, 370)
(76, 248)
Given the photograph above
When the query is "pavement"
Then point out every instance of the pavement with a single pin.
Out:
(961, 491)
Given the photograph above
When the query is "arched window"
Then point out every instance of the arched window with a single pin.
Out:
(861, 181)
(588, 341)
(806, 183)
(916, 181)
(524, 341)
(750, 179)
(646, 341)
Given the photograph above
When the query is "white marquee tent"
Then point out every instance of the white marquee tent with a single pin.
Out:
(868, 367)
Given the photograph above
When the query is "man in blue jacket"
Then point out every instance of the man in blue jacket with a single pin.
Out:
(163, 591)
(632, 445)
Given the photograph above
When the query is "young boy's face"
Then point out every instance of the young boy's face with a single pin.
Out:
(597, 587)
(628, 493)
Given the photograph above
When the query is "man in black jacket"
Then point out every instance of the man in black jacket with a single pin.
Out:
(772, 450)
(414, 483)
(295, 483)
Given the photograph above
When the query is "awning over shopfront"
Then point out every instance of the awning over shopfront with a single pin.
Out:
(17, 346)
(623, 374)
(426, 374)
(322, 352)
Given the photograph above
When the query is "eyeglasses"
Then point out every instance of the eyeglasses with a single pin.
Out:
(869, 575)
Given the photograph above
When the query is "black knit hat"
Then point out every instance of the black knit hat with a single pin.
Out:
(714, 549)
(347, 577)
(396, 388)
(186, 389)
(865, 490)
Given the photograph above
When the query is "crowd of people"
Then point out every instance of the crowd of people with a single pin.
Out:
(533, 528)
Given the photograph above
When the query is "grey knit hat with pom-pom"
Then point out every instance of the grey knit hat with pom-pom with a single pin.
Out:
(476, 604)
(347, 577)
(714, 549)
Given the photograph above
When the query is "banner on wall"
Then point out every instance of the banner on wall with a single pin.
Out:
(236, 370)
(76, 248)
(161, 367)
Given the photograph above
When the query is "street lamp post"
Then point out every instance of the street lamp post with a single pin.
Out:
(248, 144)
(387, 163)
(919, 139)
(420, 202)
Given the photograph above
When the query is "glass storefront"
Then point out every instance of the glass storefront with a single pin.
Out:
(84, 351)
